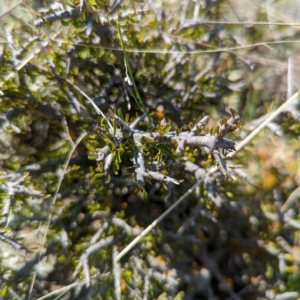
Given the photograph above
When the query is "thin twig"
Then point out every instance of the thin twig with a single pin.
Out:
(61, 177)
(255, 132)
(204, 22)
(110, 240)
(11, 8)
(68, 287)
(14, 244)
(14, 293)
(97, 109)
(31, 55)
(165, 51)
(117, 275)
(293, 197)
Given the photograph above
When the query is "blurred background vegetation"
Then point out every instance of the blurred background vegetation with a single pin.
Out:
(230, 239)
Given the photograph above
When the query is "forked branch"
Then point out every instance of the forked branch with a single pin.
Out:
(175, 141)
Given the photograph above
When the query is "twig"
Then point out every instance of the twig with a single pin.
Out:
(116, 4)
(58, 15)
(182, 139)
(109, 241)
(31, 54)
(192, 23)
(146, 287)
(11, 8)
(61, 177)
(97, 109)
(14, 244)
(165, 51)
(10, 46)
(70, 13)
(199, 125)
(69, 287)
(117, 275)
(290, 200)
(14, 293)
(264, 124)
(66, 128)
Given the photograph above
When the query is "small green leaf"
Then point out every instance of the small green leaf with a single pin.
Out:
(90, 147)
(120, 114)
(98, 175)
(118, 157)
(107, 179)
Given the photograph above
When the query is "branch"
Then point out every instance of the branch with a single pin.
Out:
(220, 163)
(58, 15)
(107, 242)
(73, 13)
(117, 275)
(143, 139)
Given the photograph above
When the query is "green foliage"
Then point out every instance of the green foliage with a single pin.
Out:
(67, 72)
